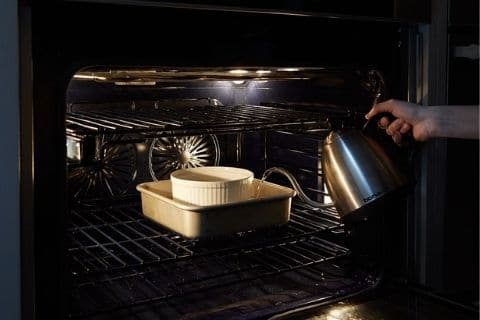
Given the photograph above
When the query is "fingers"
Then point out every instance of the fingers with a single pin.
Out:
(383, 123)
(399, 109)
(395, 126)
(407, 117)
(387, 106)
(405, 128)
(397, 129)
(397, 138)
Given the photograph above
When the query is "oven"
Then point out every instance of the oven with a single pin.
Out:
(125, 93)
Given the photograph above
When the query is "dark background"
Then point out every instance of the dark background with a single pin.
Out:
(462, 202)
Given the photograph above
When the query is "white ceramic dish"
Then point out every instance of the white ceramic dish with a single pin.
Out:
(207, 186)
(271, 207)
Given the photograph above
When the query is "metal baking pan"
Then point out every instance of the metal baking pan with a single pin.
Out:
(269, 208)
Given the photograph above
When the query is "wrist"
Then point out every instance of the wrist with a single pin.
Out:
(451, 121)
(433, 123)
(429, 117)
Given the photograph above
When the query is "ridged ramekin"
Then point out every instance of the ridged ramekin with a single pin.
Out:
(206, 186)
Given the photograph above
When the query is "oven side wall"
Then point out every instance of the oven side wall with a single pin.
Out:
(9, 190)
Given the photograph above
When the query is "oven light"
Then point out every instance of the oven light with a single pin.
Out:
(172, 88)
(263, 71)
(141, 147)
(89, 77)
(134, 71)
(135, 83)
(238, 82)
(238, 71)
(288, 69)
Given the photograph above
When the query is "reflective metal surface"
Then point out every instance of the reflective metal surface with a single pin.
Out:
(357, 170)
(171, 153)
(388, 304)
(110, 174)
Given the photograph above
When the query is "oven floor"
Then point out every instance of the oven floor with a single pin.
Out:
(257, 299)
(386, 305)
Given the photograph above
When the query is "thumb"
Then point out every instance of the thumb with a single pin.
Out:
(378, 108)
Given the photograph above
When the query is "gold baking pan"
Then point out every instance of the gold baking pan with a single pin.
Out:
(269, 208)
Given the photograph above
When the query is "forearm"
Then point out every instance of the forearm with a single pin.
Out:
(453, 121)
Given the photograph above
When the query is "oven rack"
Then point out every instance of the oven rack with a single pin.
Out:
(337, 116)
(124, 289)
(164, 121)
(118, 238)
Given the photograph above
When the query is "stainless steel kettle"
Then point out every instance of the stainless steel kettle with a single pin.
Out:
(357, 170)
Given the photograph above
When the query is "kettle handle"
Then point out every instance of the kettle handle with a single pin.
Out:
(372, 123)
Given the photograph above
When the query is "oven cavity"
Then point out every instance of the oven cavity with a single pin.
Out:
(125, 126)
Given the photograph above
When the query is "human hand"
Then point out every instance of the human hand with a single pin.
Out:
(410, 118)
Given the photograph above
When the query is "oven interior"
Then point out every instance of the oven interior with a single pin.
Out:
(127, 125)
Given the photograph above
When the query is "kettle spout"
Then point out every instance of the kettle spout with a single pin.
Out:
(296, 187)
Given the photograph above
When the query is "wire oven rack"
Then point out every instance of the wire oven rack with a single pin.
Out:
(120, 261)
(144, 286)
(121, 237)
(189, 121)
(115, 249)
